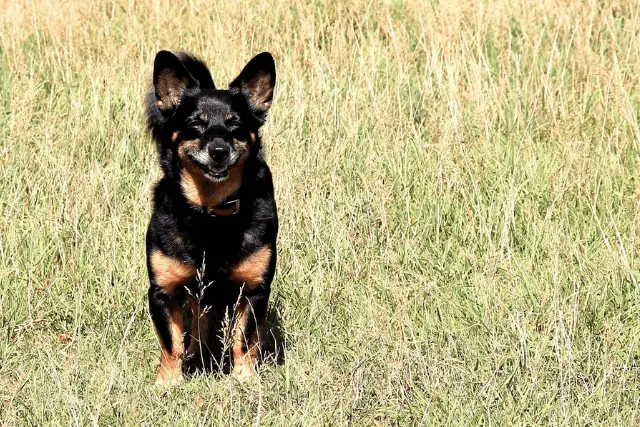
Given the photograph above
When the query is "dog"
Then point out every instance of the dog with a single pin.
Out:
(212, 235)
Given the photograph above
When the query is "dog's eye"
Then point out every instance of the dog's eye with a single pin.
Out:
(232, 121)
(195, 125)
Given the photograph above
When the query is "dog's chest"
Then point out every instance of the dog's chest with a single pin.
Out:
(219, 246)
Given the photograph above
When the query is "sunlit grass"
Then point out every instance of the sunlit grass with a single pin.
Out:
(459, 195)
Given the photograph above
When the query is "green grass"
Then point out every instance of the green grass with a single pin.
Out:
(459, 193)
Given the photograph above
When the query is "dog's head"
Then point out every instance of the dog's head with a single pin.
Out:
(212, 131)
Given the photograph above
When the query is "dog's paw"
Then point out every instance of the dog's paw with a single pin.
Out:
(169, 379)
(171, 382)
(244, 372)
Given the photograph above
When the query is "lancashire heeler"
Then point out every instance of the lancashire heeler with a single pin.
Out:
(214, 203)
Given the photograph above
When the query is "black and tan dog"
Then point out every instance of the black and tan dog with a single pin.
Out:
(214, 205)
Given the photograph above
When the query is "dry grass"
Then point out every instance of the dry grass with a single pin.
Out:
(459, 193)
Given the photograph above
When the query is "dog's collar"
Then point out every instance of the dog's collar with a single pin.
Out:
(227, 208)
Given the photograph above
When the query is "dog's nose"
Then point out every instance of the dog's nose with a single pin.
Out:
(219, 153)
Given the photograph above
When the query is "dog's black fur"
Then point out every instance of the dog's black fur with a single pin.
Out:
(210, 153)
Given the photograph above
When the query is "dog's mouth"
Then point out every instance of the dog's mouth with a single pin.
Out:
(214, 173)
(217, 176)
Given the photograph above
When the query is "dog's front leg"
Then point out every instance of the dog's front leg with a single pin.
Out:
(166, 313)
(253, 275)
(167, 296)
(247, 335)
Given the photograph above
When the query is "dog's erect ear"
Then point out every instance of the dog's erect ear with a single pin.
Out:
(170, 80)
(256, 82)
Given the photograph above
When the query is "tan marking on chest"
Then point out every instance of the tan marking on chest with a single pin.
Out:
(169, 272)
(250, 271)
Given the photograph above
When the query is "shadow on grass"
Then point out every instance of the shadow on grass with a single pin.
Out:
(274, 346)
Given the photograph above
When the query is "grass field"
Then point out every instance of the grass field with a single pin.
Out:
(458, 185)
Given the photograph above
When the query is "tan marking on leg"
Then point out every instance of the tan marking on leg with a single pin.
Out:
(195, 325)
(169, 272)
(174, 136)
(171, 361)
(199, 329)
(244, 362)
(200, 190)
(250, 271)
(252, 137)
